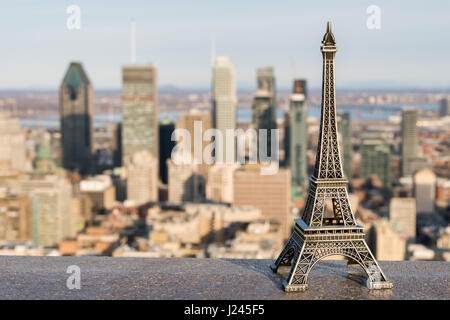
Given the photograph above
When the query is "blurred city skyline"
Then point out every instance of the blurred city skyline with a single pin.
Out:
(177, 37)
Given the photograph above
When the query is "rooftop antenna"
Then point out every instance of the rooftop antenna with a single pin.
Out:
(133, 42)
(213, 49)
(293, 68)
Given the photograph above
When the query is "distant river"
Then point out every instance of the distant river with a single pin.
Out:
(378, 112)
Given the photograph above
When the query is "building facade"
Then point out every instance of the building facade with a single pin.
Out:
(444, 107)
(410, 136)
(224, 100)
(101, 192)
(297, 135)
(345, 140)
(265, 78)
(142, 178)
(76, 107)
(376, 160)
(270, 193)
(385, 242)
(140, 111)
(186, 184)
(51, 205)
(16, 223)
(402, 215)
(424, 181)
(219, 185)
(166, 145)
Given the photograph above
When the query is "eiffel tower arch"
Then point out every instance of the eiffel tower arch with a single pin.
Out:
(319, 233)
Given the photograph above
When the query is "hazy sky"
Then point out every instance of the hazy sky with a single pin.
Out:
(411, 49)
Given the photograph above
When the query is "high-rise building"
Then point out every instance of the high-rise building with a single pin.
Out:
(219, 185)
(265, 78)
(203, 122)
(186, 184)
(402, 215)
(297, 134)
(445, 107)
(287, 139)
(116, 144)
(409, 139)
(376, 160)
(224, 99)
(52, 212)
(76, 107)
(262, 115)
(166, 145)
(142, 178)
(270, 193)
(425, 190)
(140, 111)
(345, 140)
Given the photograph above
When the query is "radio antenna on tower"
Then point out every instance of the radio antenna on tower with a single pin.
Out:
(213, 49)
(293, 68)
(133, 42)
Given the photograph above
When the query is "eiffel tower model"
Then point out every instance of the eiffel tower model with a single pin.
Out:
(321, 233)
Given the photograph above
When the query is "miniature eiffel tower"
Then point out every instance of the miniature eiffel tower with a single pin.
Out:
(319, 234)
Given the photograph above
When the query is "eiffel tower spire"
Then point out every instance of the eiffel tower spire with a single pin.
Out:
(328, 160)
(321, 232)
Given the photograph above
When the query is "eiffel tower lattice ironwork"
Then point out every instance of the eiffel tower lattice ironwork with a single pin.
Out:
(320, 232)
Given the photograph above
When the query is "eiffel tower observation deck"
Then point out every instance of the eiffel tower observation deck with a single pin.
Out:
(327, 226)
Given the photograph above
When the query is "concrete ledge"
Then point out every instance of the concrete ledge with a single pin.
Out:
(143, 278)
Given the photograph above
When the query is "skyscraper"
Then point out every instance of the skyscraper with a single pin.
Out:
(345, 140)
(297, 134)
(76, 111)
(166, 128)
(262, 117)
(116, 144)
(219, 185)
(425, 190)
(185, 182)
(224, 99)
(266, 80)
(445, 107)
(409, 139)
(202, 121)
(142, 178)
(376, 160)
(140, 111)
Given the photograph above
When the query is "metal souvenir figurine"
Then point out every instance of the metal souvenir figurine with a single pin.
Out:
(321, 233)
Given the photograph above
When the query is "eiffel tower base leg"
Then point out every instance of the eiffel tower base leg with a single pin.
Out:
(274, 268)
(378, 285)
(293, 288)
(302, 254)
(290, 250)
